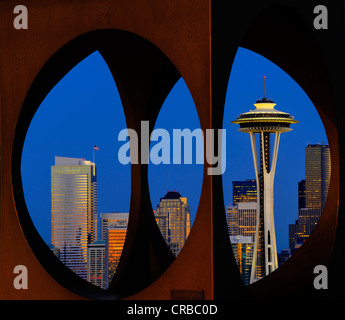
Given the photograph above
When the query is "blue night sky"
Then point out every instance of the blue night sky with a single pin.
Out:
(84, 109)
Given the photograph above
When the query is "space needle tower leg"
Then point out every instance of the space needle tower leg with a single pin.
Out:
(265, 250)
(271, 261)
(253, 275)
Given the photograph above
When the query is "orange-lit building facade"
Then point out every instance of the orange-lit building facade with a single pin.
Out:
(115, 239)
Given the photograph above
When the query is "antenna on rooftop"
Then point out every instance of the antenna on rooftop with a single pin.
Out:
(264, 86)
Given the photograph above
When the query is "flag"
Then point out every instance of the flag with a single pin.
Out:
(95, 148)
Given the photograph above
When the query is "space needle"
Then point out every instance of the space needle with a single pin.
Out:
(264, 120)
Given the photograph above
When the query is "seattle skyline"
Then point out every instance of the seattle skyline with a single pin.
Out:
(84, 109)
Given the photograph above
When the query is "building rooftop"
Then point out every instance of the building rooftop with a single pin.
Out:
(172, 195)
(66, 161)
(97, 243)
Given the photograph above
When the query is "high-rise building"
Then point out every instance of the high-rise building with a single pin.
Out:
(296, 230)
(301, 194)
(242, 219)
(173, 219)
(110, 220)
(309, 217)
(113, 232)
(96, 263)
(244, 191)
(307, 220)
(232, 220)
(283, 255)
(312, 193)
(247, 215)
(73, 210)
(317, 175)
(242, 248)
(114, 242)
(264, 121)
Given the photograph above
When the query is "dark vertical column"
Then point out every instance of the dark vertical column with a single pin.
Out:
(267, 147)
(227, 278)
(144, 80)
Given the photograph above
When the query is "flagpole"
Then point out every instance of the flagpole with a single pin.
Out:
(94, 148)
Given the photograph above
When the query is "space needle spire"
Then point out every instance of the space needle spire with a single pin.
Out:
(263, 121)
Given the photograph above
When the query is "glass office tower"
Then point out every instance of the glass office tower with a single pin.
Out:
(317, 175)
(244, 191)
(73, 210)
(312, 192)
(173, 219)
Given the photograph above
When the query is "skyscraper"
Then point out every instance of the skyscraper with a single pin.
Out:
(301, 194)
(96, 263)
(113, 219)
(242, 248)
(114, 242)
(73, 210)
(265, 120)
(312, 192)
(232, 220)
(173, 219)
(307, 220)
(241, 219)
(317, 175)
(113, 232)
(244, 191)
